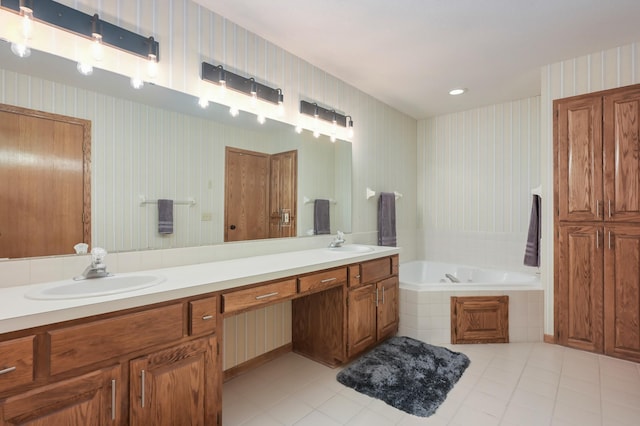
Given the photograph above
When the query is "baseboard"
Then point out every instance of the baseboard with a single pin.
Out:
(256, 362)
(549, 338)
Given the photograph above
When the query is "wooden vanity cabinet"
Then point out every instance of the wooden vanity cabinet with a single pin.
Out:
(90, 399)
(372, 303)
(156, 365)
(172, 386)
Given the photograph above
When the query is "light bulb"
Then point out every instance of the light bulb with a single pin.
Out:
(316, 134)
(84, 68)
(203, 102)
(350, 133)
(332, 138)
(298, 129)
(261, 119)
(96, 47)
(27, 22)
(152, 66)
(234, 111)
(137, 83)
(20, 50)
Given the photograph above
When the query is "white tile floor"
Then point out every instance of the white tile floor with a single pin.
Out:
(516, 384)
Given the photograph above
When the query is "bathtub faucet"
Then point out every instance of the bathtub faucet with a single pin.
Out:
(338, 240)
(452, 278)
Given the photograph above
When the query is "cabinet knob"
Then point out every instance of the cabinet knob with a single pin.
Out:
(232, 227)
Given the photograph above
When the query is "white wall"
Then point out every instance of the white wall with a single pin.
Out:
(476, 170)
(602, 70)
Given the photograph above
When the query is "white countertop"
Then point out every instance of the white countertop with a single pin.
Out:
(17, 312)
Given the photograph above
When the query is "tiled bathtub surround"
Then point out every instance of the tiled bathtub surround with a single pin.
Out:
(426, 315)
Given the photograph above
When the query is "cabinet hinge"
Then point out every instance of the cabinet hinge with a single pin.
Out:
(219, 419)
(217, 348)
(347, 302)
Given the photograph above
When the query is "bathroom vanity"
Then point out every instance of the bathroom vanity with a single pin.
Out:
(152, 356)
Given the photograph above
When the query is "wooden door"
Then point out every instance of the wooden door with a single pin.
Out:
(622, 155)
(579, 287)
(91, 399)
(45, 186)
(362, 319)
(246, 200)
(578, 158)
(388, 302)
(283, 194)
(622, 292)
(176, 386)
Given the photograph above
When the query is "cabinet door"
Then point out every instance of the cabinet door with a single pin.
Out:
(578, 158)
(176, 386)
(622, 292)
(622, 156)
(91, 399)
(579, 292)
(362, 319)
(388, 316)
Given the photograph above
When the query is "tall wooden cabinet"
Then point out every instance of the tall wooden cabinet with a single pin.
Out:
(597, 222)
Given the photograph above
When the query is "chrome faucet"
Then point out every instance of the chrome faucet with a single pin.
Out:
(97, 268)
(338, 241)
(452, 278)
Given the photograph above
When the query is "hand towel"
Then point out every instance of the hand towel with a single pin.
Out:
(387, 219)
(532, 251)
(165, 216)
(321, 224)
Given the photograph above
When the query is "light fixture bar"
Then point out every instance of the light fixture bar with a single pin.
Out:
(325, 114)
(216, 74)
(67, 18)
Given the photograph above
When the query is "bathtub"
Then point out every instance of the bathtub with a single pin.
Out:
(425, 299)
(421, 275)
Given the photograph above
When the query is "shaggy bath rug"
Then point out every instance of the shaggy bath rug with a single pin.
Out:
(407, 374)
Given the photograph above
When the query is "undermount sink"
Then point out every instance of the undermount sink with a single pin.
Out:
(352, 248)
(95, 287)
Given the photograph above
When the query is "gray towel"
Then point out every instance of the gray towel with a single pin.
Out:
(532, 252)
(387, 219)
(321, 224)
(165, 216)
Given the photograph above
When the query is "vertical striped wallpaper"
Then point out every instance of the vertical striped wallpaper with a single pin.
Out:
(602, 70)
(478, 167)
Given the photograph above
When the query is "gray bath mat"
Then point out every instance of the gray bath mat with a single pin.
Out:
(407, 374)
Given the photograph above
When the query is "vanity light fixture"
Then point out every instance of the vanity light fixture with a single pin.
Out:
(21, 49)
(329, 115)
(96, 34)
(83, 25)
(217, 75)
(458, 91)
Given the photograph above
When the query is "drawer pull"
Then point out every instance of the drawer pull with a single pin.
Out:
(358, 276)
(328, 280)
(7, 370)
(264, 296)
(113, 399)
(207, 317)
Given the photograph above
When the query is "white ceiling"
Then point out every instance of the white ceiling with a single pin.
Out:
(409, 53)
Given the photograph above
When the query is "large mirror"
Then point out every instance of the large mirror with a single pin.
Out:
(155, 143)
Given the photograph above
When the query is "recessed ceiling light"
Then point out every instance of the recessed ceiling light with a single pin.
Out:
(455, 92)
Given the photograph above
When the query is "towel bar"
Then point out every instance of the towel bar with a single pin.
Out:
(187, 202)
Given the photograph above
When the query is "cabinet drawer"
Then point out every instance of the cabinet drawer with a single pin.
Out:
(395, 264)
(85, 344)
(256, 296)
(374, 270)
(202, 318)
(321, 280)
(354, 275)
(16, 362)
